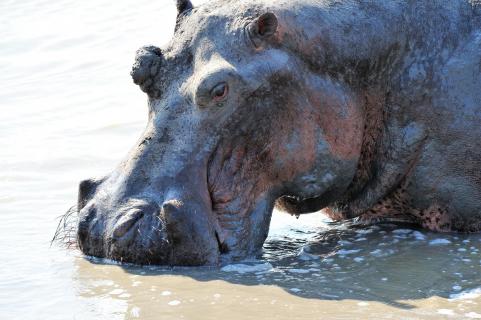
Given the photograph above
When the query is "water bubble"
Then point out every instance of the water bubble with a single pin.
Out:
(439, 241)
(135, 312)
(402, 231)
(116, 291)
(446, 312)
(418, 235)
(298, 270)
(346, 252)
(472, 315)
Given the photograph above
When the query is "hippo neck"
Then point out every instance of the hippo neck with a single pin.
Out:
(377, 77)
(372, 63)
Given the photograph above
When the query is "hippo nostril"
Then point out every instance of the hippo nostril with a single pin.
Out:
(171, 211)
(126, 222)
(176, 221)
(171, 206)
(86, 190)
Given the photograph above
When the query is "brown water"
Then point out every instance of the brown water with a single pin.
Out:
(69, 111)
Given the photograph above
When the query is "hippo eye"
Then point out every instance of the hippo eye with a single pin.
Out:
(219, 92)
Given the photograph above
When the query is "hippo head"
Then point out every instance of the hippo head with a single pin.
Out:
(236, 121)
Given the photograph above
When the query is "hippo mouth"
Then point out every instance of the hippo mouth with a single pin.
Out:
(146, 234)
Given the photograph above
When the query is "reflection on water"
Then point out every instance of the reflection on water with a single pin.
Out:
(378, 272)
(70, 111)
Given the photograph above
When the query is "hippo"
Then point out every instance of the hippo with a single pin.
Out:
(368, 110)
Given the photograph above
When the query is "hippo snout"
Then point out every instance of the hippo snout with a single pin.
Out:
(144, 230)
(134, 232)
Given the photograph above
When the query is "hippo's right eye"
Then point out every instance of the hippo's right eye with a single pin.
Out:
(215, 86)
(219, 92)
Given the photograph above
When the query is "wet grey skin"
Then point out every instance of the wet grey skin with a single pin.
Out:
(370, 110)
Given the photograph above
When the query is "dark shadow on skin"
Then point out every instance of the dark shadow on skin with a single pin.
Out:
(413, 269)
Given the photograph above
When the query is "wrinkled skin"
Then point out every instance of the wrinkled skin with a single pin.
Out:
(368, 110)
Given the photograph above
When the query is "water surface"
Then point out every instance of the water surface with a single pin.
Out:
(69, 111)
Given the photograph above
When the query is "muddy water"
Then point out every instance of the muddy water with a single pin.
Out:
(69, 111)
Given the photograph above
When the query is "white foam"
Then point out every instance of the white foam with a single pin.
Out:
(166, 293)
(467, 294)
(298, 270)
(472, 315)
(245, 268)
(446, 312)
(295, 290)
(439, 241)
(345, 252)
(402, 231)
(358, 259)
(382, 253)
(303, 255)
(363, 231)
(174, 303)
(101, 283)
(361, 239)
(116, 291)
(418, 235)
(135, 312)
(333, 296)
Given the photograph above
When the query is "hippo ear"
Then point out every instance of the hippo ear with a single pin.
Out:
(183, 6)
(146, 69)
(262, 28)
